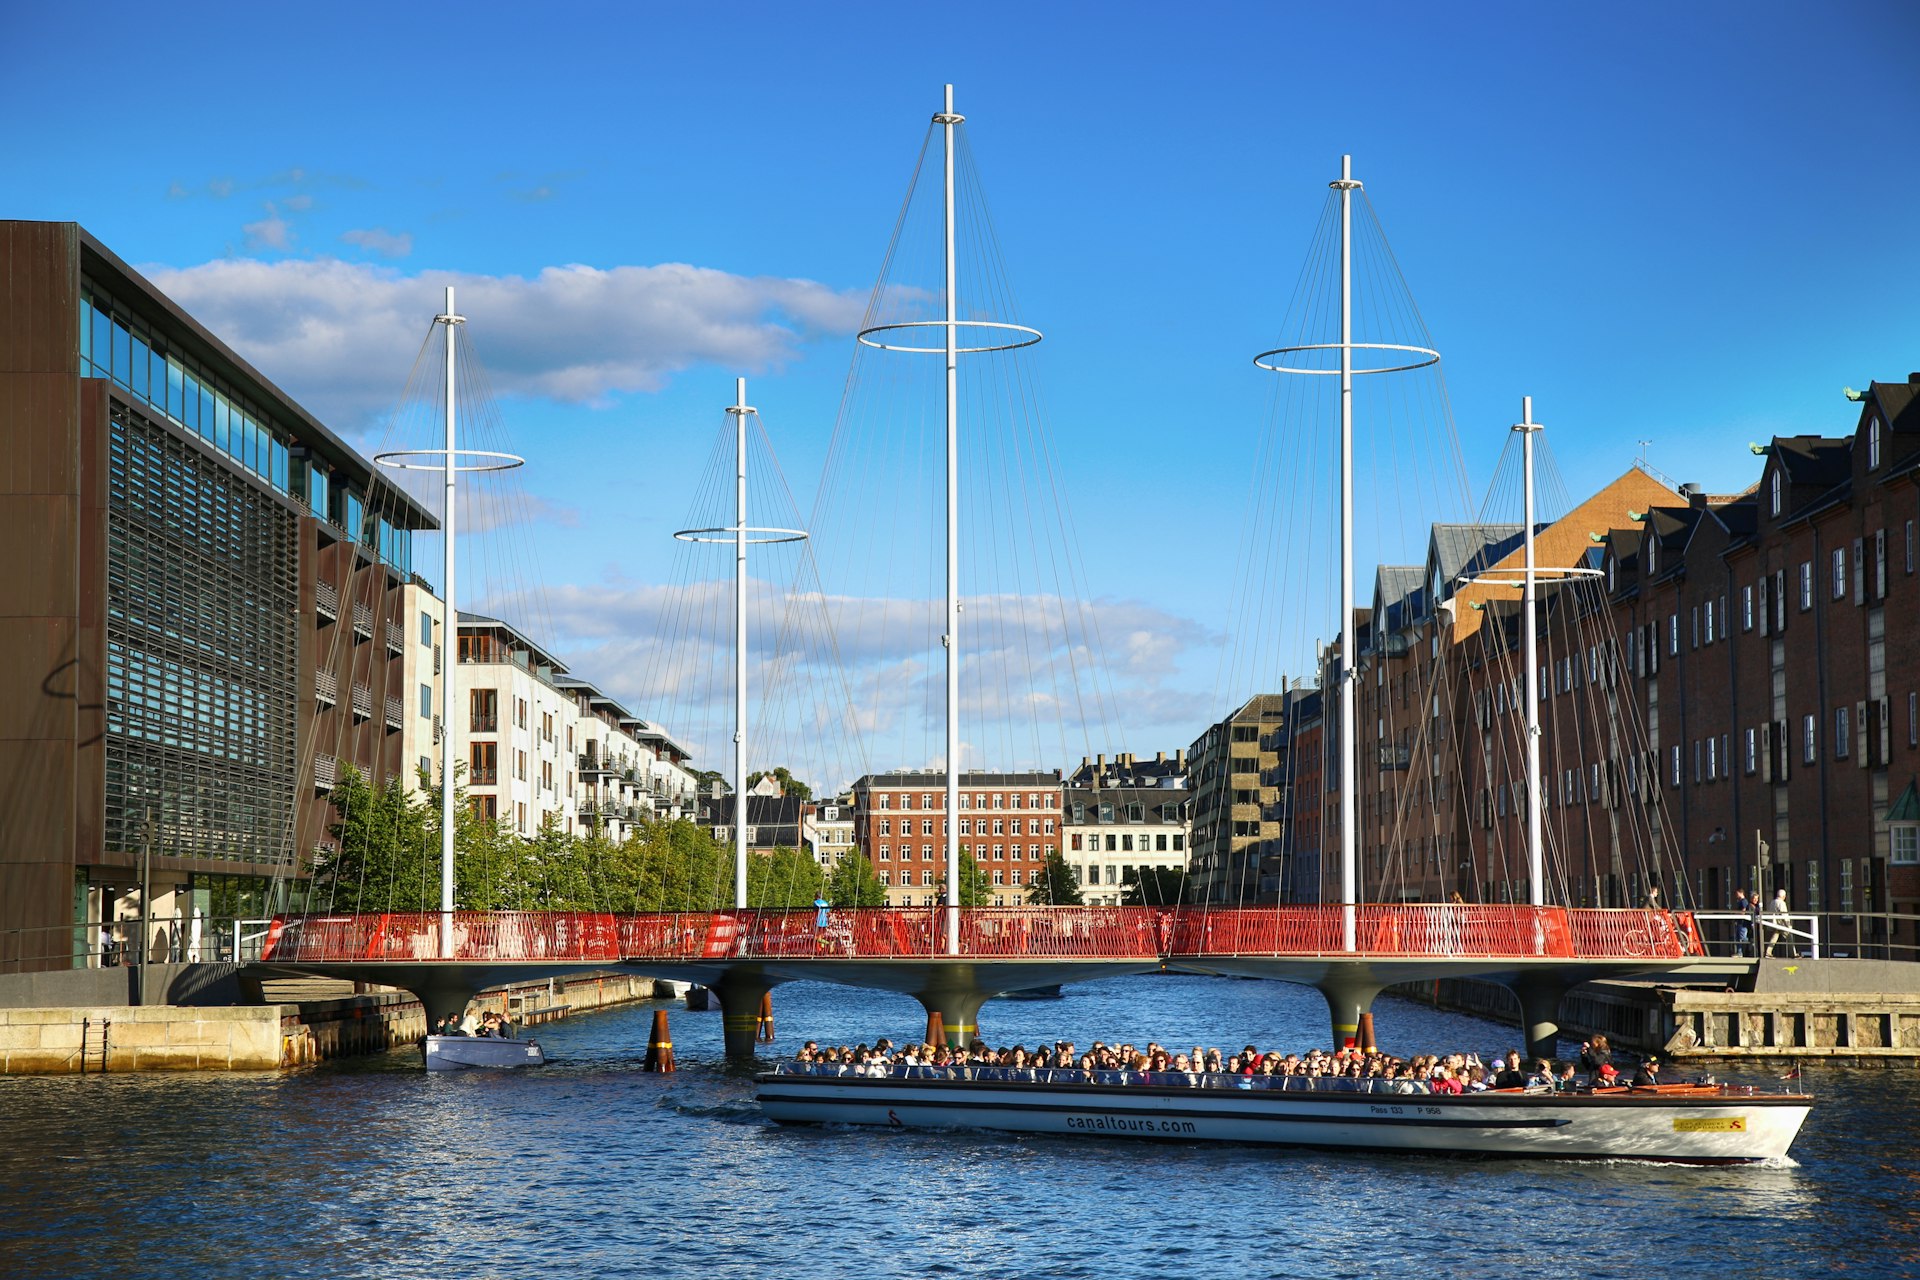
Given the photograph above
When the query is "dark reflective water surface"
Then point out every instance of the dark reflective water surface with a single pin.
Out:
(590, 1167)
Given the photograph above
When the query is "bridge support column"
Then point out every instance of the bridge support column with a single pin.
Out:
(444, 994)
(1539, 995)
(959, 1010)
(1347, 1000)
(740, 998)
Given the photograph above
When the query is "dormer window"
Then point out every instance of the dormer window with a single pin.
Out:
(1774, 491)
(1873, 443)
(1653, 557)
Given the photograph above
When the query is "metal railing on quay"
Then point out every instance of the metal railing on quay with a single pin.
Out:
(107, 944)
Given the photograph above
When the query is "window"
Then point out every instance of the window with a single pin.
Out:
(484, 764)
(1746, 608)
(1779, 599)
(1673, 635)
(1696, 629)
(1879, 564)
(483, 710)
(1713, 760)
(1873, 463)
(1839, 572)
(1696, 762)
(426, 629)
(1676, 764)
(1753, 750)
(1806, 585)
(1074, 843)
(1841, 738)
(1773, 489)
(1809, 740)
(1709, 622)
(1906, 844)
(1846, 886)
(1913, 719)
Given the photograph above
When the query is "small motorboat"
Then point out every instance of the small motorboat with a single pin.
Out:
(495, 1053)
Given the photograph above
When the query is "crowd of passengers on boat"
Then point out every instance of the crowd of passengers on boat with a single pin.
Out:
(1250, 1068)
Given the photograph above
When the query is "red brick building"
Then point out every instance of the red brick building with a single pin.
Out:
(1009, 822)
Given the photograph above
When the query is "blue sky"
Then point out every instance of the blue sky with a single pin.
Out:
(1686, 224)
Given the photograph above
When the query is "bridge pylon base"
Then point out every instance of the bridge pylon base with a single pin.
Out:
(1539, 995)
(959, 1010)
(740, 995)
(1349, 996)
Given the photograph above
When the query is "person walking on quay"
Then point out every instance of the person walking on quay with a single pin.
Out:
(1743, 927)
(1778, 921)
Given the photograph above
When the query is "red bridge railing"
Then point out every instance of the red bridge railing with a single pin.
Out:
(1062, 933)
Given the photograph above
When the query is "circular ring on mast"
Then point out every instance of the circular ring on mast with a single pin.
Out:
(1030, 336)
(767, 536)
(488, 460)
(1551, 573)
(1265, 358)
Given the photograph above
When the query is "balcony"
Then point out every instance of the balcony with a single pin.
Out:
(326, 688)
(362, 702)
(396, 638)
(325, 773)
(395, 710)
(363, 622)
(436, 729)
(326, 601)
(484, 777)
(592, 764)
(480, 723)
(1393, 757)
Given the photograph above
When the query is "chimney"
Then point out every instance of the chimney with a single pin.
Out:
(1180, 759)
(1694, 494)
(1159, 757)
(1101, 760)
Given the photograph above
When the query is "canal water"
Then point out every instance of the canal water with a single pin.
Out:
(590, 1167)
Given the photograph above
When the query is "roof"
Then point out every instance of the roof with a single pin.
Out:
(929, 778)
(1400, 594)
(1907, 807)
(1455, 549)
(481, 622)
(1819, 461)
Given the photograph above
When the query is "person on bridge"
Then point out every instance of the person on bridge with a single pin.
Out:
(1743, 927)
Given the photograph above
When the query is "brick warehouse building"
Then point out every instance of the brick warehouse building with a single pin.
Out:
(1009, 822)
(1732, 698)
(204, 604)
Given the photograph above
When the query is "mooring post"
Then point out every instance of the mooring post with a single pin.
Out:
(660, 1044)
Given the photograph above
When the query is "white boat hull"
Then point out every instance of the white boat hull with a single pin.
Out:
(455, 1053)
(1636, 1126)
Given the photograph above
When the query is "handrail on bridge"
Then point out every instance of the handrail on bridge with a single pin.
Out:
(1438, 930)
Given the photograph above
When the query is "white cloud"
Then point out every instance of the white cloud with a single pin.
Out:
(341, 336)
(270, 232)
(388, 244)
(1037, 691)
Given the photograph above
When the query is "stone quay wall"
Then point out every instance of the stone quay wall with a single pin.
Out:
(110, 1038)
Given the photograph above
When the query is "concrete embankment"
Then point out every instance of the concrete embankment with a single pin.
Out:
(301, 1021)
(1854, 1012)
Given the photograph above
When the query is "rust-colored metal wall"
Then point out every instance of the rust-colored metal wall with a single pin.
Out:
(42, 684)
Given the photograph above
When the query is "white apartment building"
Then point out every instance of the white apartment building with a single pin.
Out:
(827, 830)
(424, 718)
(1114, 832)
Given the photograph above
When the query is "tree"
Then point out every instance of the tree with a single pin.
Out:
(785, 878)
(380, 861)
(705, 778)
(789, 785)
(974, 889)
(1055, 885)
(854, 883)
(1155, 887)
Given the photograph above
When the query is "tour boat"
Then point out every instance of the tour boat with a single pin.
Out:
(1679, 1123)
(455, 1053)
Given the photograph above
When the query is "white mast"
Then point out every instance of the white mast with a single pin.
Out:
(951, 819)
(740, 410)
(1349, 639)
(450, 632)
(1529, 625)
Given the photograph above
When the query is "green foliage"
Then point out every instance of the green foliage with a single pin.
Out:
(785, 878)
(854, 882)
(1056, 885)
(789, 785)
(974, 889)
(383, 862)
(1155, 887)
